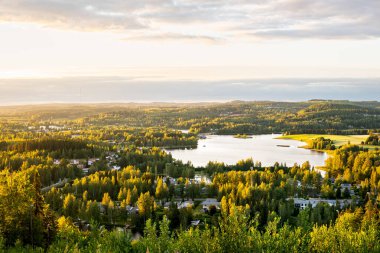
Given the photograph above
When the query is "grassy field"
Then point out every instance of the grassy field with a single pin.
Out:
(339, 140)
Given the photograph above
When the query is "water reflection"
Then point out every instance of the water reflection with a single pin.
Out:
(264, 148)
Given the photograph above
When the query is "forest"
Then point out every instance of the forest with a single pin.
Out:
(237, 117)
(99, 179)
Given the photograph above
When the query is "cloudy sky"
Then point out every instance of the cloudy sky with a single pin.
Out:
(66, 51)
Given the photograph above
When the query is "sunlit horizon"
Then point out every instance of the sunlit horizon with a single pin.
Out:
(48, 44)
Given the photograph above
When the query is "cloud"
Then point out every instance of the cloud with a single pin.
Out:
(205, 19)
(176, 37)
(76, 15)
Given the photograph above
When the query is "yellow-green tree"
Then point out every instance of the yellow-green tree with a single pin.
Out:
(161, 189)
(24, 216)
(70, 205)
(145, 204)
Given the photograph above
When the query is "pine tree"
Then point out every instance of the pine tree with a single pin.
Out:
(38, 200)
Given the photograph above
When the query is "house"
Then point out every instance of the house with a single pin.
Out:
(55, 127)
(166, 205)
(344, 186)
(172, 181)
(210, 202)
(304, 203)
(74, 161)
(132, 209)
(101, 207)
(116, 167)
(195, 222)
(90, 162)
(348, 187)
(185, 204)
(199, 179)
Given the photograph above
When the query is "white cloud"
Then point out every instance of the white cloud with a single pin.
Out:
(181, 19)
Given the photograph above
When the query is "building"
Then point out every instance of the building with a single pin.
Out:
(74, 161)
(116, 167)
(92, 161)
(348, 187)
(186, 204)
(195, 223)
(210, 202)
(166, 205)
(132, 209)
(172, 181)
(199, 179)
(304, 203)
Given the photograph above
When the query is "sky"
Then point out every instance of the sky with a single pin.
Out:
(188, 50)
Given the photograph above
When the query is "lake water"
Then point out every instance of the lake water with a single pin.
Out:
(263, 148)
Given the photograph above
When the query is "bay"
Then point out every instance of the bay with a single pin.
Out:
(264, 148)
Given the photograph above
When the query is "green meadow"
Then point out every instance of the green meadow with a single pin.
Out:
(339, 140)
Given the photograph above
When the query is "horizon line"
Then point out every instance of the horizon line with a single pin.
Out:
(178, 102)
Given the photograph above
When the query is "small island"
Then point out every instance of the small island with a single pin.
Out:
(283, 146)
(242, 136)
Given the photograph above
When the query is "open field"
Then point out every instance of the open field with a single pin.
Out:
(339, 140)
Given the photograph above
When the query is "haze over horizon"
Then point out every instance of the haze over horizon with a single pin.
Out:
(188, 50)
(118, 89)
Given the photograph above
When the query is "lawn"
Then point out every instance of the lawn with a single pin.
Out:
(339, 140)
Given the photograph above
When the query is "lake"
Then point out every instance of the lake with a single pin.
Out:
(263, 148)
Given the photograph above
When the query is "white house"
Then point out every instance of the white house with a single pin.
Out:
(199, 179)
(210, 202)
(132, 209)
(116, 167)
(195, 222)
(304, 203)
(74, 161)
(185, 204)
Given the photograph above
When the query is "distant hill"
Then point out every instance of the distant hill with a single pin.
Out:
(236, 117)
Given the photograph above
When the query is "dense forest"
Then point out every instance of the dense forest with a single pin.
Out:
(238, 117)
(98, 179)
